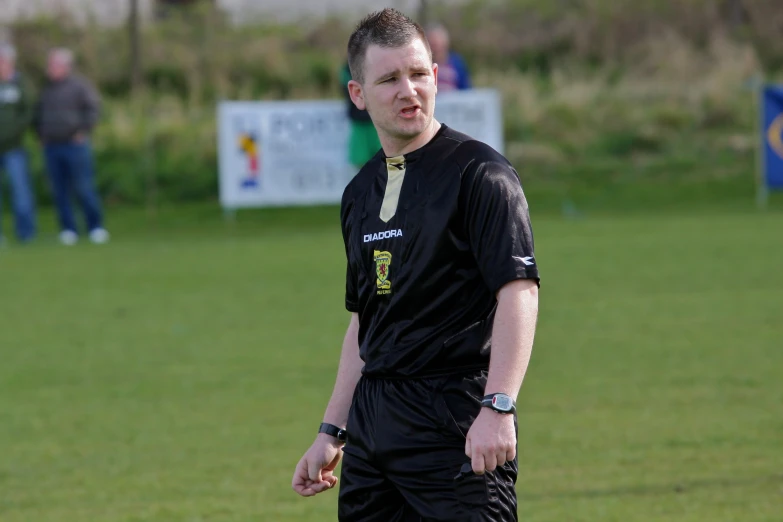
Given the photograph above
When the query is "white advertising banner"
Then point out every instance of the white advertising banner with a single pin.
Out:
(285, 153)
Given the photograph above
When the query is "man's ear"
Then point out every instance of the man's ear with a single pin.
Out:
(357, 94)
(435, 73)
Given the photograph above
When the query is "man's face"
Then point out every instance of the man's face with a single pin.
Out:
(439, 43)
(399, 89)
(56, 68)
(6, 69)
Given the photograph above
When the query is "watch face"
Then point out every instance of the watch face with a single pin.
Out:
(502, 403)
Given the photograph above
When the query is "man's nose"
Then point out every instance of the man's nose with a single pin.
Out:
(407, 88)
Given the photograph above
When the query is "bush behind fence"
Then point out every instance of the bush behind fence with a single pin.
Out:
(592, 89)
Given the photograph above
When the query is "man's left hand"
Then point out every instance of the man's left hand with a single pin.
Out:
(491, 441)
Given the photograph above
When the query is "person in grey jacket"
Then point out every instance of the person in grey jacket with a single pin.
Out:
(16, 111)
(66, 114)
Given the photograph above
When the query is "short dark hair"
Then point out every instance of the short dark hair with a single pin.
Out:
(386, 28)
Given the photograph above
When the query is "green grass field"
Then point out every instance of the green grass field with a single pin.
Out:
(178, 373)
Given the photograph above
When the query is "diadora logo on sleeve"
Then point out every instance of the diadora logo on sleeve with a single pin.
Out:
(382, 235)
(527, 260)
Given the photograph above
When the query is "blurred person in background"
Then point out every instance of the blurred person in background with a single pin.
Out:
(452, 71)
(363, 142)
(16, 112)
(66, 114)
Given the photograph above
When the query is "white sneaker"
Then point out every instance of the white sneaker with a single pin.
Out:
(68, 237)
(99, 236)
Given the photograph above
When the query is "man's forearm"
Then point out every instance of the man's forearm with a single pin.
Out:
(512, 337)
(348, 374)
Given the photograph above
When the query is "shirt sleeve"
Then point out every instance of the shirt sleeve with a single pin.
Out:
(351, 283)
(26, 109)
(91, 105)
(498, 223)
(463, 74)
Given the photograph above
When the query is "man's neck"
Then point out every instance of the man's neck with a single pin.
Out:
(397, 148)
(60, 79)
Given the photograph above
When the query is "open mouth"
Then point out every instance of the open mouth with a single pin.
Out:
(411, 111)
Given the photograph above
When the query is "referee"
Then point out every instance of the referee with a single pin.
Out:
(442, 286)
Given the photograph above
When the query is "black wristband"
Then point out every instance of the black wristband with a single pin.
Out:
(335, 431)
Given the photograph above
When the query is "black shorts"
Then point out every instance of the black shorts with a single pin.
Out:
(406, 450)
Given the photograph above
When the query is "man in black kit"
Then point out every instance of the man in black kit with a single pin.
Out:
(442, 286)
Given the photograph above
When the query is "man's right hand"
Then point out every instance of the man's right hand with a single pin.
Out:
(315, 471)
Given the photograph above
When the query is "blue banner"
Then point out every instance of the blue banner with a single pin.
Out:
(772, 135)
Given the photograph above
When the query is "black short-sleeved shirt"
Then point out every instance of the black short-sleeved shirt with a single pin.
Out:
(430, 237)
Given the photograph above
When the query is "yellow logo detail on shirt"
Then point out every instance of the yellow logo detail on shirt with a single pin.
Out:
(382, 263)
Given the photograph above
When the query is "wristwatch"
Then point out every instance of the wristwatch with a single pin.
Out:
(500, 402)
(335, 431)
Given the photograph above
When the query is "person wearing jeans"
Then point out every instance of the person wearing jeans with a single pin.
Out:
(66, 114)
(16, 110)
(70, 166)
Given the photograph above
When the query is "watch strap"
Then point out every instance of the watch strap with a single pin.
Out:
(335, 431)
(499, 402)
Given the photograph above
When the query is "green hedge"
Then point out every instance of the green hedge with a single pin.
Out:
(592, 89)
